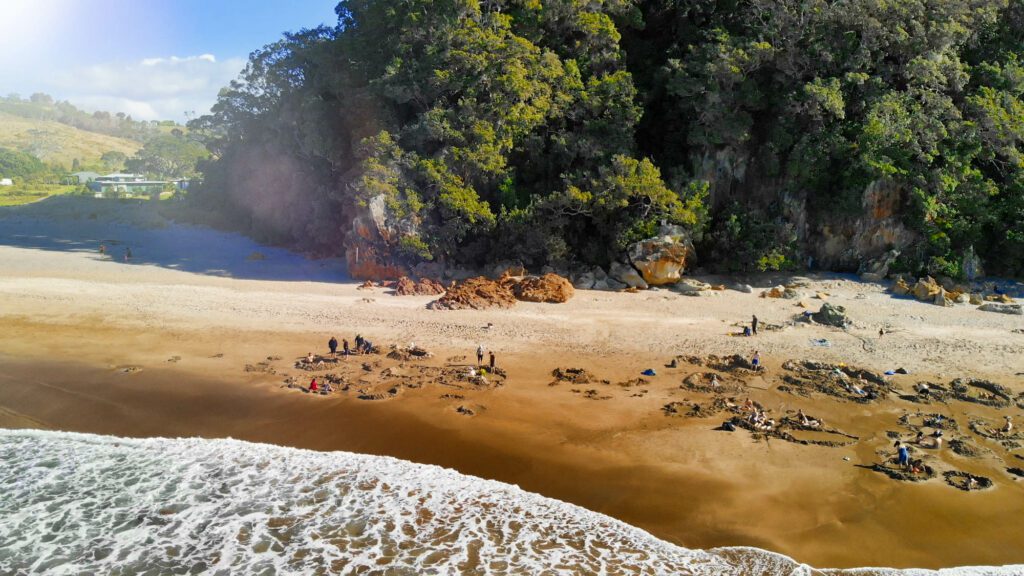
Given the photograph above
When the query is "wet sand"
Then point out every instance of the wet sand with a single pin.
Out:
(674, 476)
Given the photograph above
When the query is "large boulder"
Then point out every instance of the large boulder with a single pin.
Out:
(1002, 308)
(627, 275)
(663, 259)
(832, 315)
(425, 287)
(944, 298)
(584, 280)
(926, 289)
(477, 294)
(547, 288)
(900, 288)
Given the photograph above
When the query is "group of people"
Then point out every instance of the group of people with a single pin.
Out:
(480, 357)
(362, 346)
(757, 417)
(752, 329)
(324, 388)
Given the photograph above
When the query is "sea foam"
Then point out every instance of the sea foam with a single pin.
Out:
(76, 503)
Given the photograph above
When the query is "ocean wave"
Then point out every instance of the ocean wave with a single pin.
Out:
(76, 503)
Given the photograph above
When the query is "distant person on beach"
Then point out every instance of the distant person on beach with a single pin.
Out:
(309, 358)
(1008, 427)
(881, 332)
(345, 349)
(127, 254)
(756, 360)
(333, 345)
(359, 343)
(480, 355)
(753, 325)
(313, 386)
(103, 249)
(492, 360)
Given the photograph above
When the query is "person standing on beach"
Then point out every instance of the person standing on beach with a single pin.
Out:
(492, 360)
(753, 325)
(359, 343)
(127, 254)
(333, 345)
(480, 355)
(902, 454)
(345, 349)
(756, 360)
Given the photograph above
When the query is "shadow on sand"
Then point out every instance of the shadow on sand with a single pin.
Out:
(77, 224)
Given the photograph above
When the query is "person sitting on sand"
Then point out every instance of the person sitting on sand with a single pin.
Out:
(919, 437)
(1008, 426)
(922, 388)
(309, 358)
(313, 387)
(333, 345)
(806, 421)
(714, 381)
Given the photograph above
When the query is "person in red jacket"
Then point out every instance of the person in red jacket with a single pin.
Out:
(313, 386)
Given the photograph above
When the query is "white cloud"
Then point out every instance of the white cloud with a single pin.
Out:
(150, 89)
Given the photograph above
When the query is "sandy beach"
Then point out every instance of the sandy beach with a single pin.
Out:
(91, 343)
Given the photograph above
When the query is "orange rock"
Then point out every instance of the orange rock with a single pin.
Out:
(547, 288)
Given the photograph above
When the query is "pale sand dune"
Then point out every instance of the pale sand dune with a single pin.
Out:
(71, 320)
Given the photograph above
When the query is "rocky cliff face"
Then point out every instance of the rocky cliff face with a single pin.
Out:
(845, 243)
(371, 239)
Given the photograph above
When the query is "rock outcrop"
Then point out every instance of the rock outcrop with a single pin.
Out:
(1002, 308)
(663, 259)
(547, 288)
(627, 275)
(475, 293)
(877, 269)
(368, 243)
(832, 315)
(424, 287)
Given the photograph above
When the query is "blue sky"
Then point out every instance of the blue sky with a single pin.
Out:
(153, 59)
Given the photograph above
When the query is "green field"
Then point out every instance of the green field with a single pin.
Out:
(18, 195)
(53, 142)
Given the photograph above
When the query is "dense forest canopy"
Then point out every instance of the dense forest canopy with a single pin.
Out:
(559, 132)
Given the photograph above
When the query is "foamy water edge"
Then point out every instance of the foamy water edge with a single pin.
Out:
(73, 503)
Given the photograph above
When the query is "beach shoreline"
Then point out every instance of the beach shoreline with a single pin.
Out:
(92, 344)
(170, 367)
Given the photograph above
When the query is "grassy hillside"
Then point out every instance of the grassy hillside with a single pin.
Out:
(54, 142)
